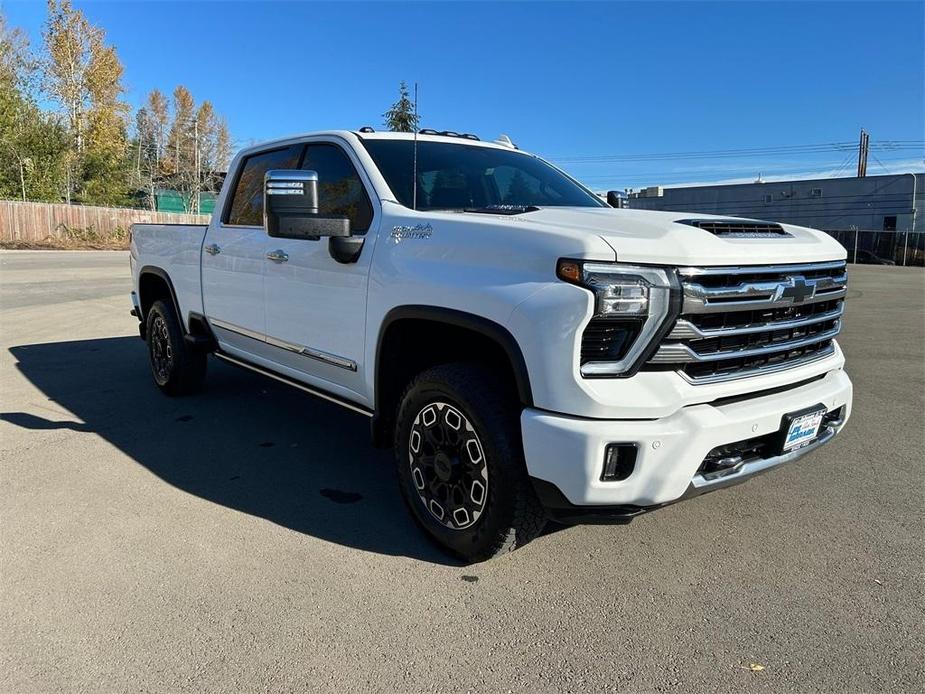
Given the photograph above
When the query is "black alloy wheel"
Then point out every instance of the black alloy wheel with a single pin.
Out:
(448, 465)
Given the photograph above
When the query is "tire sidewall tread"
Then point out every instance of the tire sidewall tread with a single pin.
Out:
(513, 515)
(189, 366)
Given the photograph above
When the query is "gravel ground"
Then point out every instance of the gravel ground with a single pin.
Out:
(250, 539)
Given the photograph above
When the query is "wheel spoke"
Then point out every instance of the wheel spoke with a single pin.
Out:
(430, 437)
(161, 349)
(449, 460)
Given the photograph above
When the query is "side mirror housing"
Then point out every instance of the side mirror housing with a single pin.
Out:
(616, 199)
(345, 249)
(290, 207)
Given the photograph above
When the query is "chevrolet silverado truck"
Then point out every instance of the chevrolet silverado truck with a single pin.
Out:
(528, 351)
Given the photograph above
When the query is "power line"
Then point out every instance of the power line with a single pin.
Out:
(877, 159)
(844, 166)
(819, 148)
(846, 162)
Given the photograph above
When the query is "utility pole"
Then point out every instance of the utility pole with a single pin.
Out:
(863, 150)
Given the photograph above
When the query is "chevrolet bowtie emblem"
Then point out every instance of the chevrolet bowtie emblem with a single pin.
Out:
(797, 289)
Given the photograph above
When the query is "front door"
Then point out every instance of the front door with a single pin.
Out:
(315, 306)
(234, 262)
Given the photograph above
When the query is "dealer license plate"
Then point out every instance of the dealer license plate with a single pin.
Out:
(801, 428)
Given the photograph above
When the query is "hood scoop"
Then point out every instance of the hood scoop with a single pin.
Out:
(738, 228)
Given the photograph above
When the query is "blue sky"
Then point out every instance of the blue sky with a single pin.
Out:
(566, 80)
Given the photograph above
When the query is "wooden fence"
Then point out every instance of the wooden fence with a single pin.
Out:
(40, 221)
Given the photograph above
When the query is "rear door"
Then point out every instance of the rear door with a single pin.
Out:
(234, 262)
(315, 306)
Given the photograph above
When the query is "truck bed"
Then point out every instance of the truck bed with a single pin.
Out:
(174, 248)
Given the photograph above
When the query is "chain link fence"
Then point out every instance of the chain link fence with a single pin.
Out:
(882, 247)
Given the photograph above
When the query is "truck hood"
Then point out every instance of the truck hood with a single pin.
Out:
(644, 236)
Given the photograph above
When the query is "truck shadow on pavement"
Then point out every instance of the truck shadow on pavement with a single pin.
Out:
(244, 442)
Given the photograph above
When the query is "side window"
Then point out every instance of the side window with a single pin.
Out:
(340, 190)
(247, 201)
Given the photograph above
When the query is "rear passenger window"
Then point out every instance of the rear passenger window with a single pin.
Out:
(340, 190)
(247, 201)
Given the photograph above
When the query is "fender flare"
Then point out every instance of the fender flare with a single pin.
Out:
(470, 321)
(162, 274)
(198, 334)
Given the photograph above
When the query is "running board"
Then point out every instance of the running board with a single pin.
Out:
(359, 409)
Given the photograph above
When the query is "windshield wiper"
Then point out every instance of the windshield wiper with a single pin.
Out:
(502, 209)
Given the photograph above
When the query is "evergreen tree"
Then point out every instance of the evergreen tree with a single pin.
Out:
(401, 117)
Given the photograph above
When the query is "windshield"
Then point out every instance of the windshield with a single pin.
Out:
(459, 177)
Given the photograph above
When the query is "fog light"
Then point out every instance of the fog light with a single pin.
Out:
(619, 462)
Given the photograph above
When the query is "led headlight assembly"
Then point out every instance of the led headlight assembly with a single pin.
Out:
(632, 303)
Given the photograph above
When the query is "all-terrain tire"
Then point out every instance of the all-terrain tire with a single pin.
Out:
(177, 368)
(469, 402)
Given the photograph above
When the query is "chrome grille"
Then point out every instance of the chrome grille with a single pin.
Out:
(744, 321)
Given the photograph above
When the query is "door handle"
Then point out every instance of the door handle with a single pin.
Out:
(212, 249)
(278, 256)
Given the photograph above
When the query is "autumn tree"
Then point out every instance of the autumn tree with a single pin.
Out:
(156, 113)
(149, 166)
(181, 156)
(214, 142)
(179, 139)
(402, 117)
(81, 150)
(105, 163)
(146, 169)
(198, 147)
(84, 76)
(206, 134)
(223, 146)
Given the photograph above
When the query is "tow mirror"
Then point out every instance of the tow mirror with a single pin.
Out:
(290, 207)
(616, 199)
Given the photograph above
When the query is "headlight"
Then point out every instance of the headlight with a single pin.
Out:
(632, 303)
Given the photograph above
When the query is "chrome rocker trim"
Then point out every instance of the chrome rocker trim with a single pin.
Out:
(310, 352)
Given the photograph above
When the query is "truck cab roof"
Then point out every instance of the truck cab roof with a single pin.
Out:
(351, 135)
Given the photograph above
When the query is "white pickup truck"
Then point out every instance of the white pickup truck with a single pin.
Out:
(530, 352)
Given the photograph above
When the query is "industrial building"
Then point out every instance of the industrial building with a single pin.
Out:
(879, 219)
(871, 203)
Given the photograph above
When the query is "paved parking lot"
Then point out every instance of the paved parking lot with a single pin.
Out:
(249, 538)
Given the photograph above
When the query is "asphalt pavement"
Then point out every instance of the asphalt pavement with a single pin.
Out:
(250, 539)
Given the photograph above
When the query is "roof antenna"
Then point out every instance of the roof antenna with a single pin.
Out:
(414, 167)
